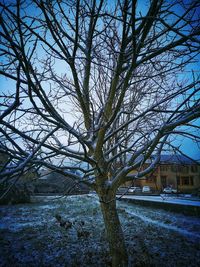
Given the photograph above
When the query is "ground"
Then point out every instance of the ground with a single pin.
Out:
(30, 235)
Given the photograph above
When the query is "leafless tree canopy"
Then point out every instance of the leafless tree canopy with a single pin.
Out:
(105, 84)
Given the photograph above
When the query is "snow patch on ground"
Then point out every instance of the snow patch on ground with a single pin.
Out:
(163, 225)
(31, 236)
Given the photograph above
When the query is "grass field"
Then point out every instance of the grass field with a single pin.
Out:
(30, 235)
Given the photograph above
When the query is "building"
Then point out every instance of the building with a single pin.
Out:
(176, 171)
(51, 182)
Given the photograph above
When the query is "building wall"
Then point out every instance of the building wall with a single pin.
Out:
(185, 178)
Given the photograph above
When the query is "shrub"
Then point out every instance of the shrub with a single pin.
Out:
(16, 195)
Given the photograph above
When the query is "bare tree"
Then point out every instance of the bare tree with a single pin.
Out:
(100, 88)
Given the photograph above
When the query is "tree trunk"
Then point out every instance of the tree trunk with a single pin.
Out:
(114, 232)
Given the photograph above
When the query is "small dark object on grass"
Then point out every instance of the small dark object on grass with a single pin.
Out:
(79, 223)
(65, 224)
(78, 226)
(84, 234)
(58, 217)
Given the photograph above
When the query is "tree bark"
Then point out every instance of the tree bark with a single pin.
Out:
(114, 232)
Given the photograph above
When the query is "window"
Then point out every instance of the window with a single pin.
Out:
(185, 180)
(179, 168)
(194, 168)
(174, 168)
(191, 180)
(163, 180)
(185, 169)
(164, 168)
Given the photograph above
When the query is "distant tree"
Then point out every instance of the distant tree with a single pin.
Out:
(100, 87)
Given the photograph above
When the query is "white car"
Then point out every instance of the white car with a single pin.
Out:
(122, 190)
(135, 189)
(146, 189)
(169, 190)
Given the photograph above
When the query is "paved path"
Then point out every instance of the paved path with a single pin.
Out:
(165, 199)
(170, 203)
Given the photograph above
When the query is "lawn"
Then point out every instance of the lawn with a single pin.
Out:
(30, 235)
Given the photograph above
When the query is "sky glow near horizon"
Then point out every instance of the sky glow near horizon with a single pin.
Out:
(189, 147)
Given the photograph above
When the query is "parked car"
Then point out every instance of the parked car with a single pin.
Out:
(135, 189)
(146, 189)
(169, 190)
(122, 190)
